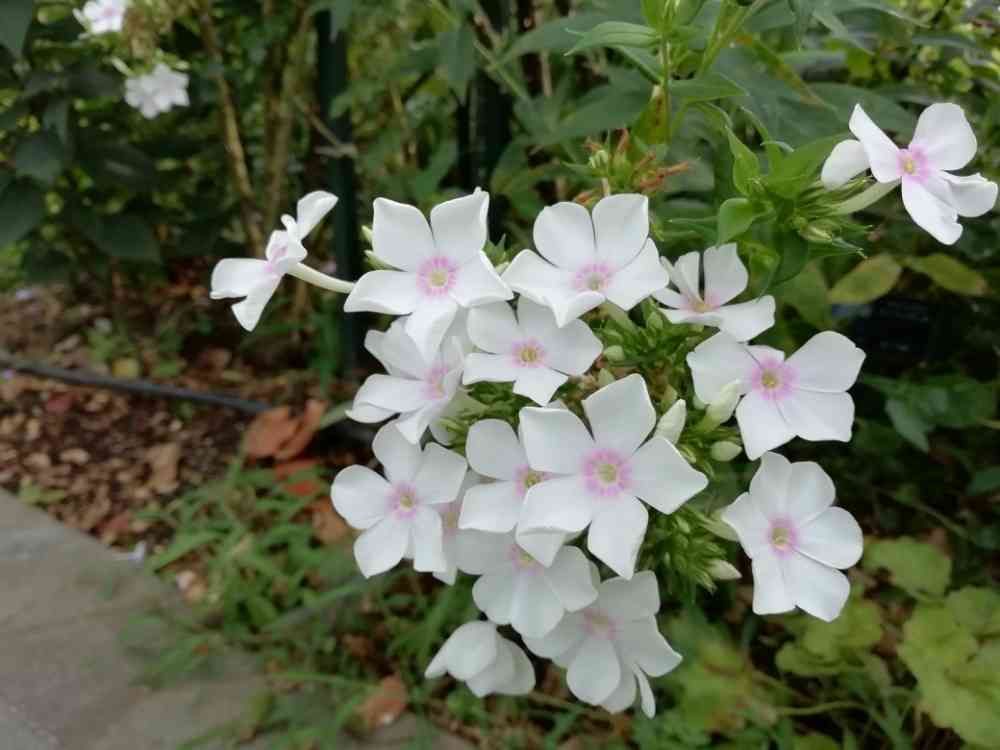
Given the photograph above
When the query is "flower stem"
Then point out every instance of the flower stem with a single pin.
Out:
(861, 201)
(314, 277)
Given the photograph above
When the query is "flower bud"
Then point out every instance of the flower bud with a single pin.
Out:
(600, 160)
(366, 232)
(721, 570)
(671, 424)
(720, 528)
(614, 353)
(722, 406)
(604, 377)
(724, 451)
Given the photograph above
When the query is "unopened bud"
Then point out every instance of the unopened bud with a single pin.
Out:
(375, 262)
(724, 451)
(655, 320)
(600, 160)
(618, 315)
(722, 406)
(604, 377)
(671, 424)
(366, 232)
(720, 528)
(614, 353)
(721, 570)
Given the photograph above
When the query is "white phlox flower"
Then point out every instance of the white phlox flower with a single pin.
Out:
(419, 389)
(102, 16)
(942, 142)
(397, 513)
(725, 278)
(516, 589)
(597, 479)
(257, 280)
(804, 395)
(156, 93)
(484, 660)
(442, 267)
(465, 550)
(587, 260)
(795, 539)
(613, 646)
(530, 350)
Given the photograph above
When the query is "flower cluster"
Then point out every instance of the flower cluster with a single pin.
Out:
(516, 449)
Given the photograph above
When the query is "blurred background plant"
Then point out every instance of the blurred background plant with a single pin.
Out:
(722, 112)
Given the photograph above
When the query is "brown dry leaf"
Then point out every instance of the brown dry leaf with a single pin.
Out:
(305, 487)
(361, 647)
(60, 403)
(163, 460)
(77, 456)
(308, 424)
(327, 524)
(269, 431)
(385, 703)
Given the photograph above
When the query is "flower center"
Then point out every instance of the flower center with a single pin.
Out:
(910, 166)
(769, 379)
(434, 387)
(773, 379)
(598, 624)
(593, 277)
(782, 536)
(912, 162)
(528, 478)
(404, 500)
(436, 276)
(528, 354)
(700, 306)
(606, 473)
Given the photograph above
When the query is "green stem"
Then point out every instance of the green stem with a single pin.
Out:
(314, 277)
(822, 708)
(861, 201)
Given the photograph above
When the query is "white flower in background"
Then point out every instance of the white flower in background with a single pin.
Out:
(612, 646)
(465, 549)
(725, 278)
(515, 589)
(158, 92)
(487, 662)
(420, 389)
(102, 16)
(496, 452)
(804, 395)
(943, 141)
(257, 280)
(397, 513)
(597, 480)
(795, 539)
(590, 260)
(442, 267)
(531, 350)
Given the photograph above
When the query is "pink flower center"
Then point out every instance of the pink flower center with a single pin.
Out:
(528, 353)
(606, 473)
(782, 536)
(522, 561)
(700, 305)
(436, 276)
(526, 478)
(593, 277)
(403, 501)
(434, 387)
(772, 379)
(598, 624)
(275, 258)
(913, 163)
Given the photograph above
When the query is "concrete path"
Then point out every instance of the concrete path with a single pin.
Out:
(66, 680)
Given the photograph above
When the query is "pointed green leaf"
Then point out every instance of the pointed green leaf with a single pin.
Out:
(870, 279)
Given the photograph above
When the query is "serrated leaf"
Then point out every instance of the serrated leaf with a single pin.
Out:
(616, 34)
(870, 279)
(950, 273)
(916, 567)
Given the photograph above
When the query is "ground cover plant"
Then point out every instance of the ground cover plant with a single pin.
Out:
(672, 181)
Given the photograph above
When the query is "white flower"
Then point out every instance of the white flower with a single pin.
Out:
(611, 646)
(484, 660)
(443, 267)
(496, 452)
(804, 395)
(257, 280)
(795, 539)
(420, 389)
(516, 589)
(157, 92)
(102, 16)
(598, 479)
(531, 351)
(397, 513)
(725, 278)
(588, 261)
(465, 549)
(934, 198)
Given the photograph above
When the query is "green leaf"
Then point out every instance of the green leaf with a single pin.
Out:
(746, 166)
(794, 256)
(458, 57)
(15, 19)
(803, 10)
(616, 34)
(909, 423)
(736, 216)
(916, 567)
(950, 273)
(705, 88)
(984, 480)
(976, 609)
(122, 236)
(797, 170)
(118, 164)
(809, 295)
(556, 35)
(652, 11)
(22, 208)
(870, 279)
(40, 156)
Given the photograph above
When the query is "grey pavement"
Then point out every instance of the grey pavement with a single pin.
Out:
(67, 682)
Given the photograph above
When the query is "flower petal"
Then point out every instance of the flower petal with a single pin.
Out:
(428, 323)
(647, 701)
(621, 226)
(552, 287)
(572, 349)
(492, 507)
(745, 517)
(471, 649)
(554, 440)
(883, 154)
(636, 281)
(368, 414)
(686, 275)
(523, 681)
(847, 160)
(494, 450)
(616, 534)
(401, 236)
(817, 589)
(427, 539)
(621, 415)
(490, 368)
(493, 593)
(536, 610)
(817, 416)
(725, 274)
(945, 137)
(459, 226)
(396, 351)
(630, 599)
(413, 425)
(745, 320)
(644, 644)
(248, 311)
(392, 394)
(360, 496)
(595, 671)
(833, 538)
(477, 283)
(827, 362)
(479, 552)
(663, 478)
(810, 492)
(930, 213)
(391, 292)
(623, 695)
(382, 546)
(565, 637)
(564, 235)
(972, 195)
(311, 209)
(440, 475)
(770, 487)
(771, 594)
(569, 577)
(718, 362)
(493, 328)
(556, 505)
(399, 457)
(541, 545)
(238, 277)
(539, 384)
(762, 425)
